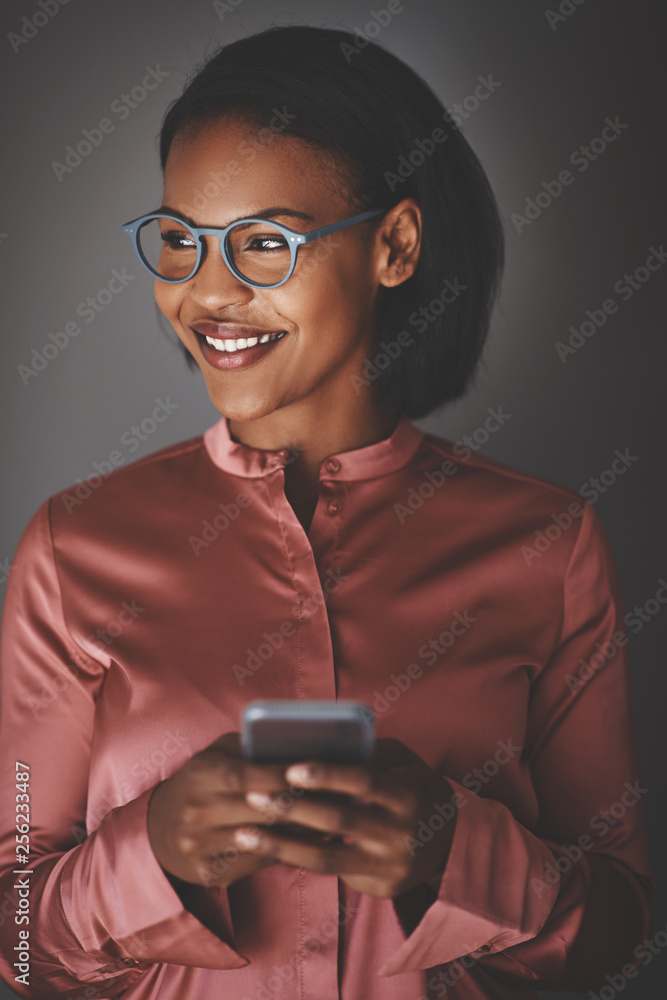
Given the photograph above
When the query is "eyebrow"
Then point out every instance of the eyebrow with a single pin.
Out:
(263, 213)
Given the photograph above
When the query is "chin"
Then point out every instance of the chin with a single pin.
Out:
(243, 410)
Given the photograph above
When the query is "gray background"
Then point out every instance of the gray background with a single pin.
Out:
(60, 241)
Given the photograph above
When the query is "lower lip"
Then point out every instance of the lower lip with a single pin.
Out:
(237, 360)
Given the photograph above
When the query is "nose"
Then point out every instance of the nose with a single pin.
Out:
(214, 286)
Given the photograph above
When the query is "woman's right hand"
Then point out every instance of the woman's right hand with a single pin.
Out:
(193, 814)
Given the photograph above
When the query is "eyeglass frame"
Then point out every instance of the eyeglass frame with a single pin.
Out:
(294, 239)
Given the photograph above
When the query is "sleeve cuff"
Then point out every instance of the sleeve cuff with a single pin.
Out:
(116, 897)
(486, 902)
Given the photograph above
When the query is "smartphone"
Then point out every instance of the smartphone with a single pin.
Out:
(283, 731)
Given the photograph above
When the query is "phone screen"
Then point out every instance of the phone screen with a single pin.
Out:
(290, 731)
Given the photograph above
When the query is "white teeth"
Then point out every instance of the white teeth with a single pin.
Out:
(230, 346)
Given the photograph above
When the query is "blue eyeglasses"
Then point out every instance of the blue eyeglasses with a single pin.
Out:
(258, 252)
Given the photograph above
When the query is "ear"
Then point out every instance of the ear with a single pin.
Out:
(398, 243)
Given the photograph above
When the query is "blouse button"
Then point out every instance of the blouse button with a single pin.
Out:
(334, 506)
(332, 465)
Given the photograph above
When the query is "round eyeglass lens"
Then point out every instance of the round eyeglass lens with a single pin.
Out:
(259, 252)
(168, 247)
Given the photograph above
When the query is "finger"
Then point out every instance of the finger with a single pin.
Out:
(237, 774)
(330, 859)
(388, 751)
(228, 863)
(229, 742)
(219, 812)
(368, 783)
(221, 844)
(217, 771)
(335, 814)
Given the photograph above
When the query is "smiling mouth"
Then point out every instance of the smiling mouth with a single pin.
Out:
(228, 346)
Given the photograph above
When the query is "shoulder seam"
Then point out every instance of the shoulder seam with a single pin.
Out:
(173, 451)
(496, 467)
(588, 509)
(86, 656)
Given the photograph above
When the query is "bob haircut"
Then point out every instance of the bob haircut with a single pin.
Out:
(389, 137)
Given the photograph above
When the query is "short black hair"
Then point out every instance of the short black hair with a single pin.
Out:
(379, 119)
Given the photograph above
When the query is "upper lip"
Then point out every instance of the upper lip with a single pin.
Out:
(228, 331)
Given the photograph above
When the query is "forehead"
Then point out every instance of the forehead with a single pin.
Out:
(228, 169)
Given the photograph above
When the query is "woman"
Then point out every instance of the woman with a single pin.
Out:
(314, 543)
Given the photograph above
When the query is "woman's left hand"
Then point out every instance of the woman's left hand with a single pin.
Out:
(377, 815)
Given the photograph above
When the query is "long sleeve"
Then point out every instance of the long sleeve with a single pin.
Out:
(97, 909)
(562, 905)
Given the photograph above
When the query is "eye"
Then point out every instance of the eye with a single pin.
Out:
(178, 239)
(266, 243)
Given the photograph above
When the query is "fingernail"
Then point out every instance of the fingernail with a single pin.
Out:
(260, 799)
(300, 774)
(247, 838)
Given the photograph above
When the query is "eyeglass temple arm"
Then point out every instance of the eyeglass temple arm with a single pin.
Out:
(335, 226)
(129, 227)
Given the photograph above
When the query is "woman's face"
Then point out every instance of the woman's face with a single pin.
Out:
(325, 311)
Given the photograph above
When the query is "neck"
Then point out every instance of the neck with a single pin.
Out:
(313, 434)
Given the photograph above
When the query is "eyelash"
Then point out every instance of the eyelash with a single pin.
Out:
(171, 237)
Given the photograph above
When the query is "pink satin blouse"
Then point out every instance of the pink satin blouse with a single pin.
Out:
(477, 609)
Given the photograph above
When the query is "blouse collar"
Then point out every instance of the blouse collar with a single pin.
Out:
(369, 462)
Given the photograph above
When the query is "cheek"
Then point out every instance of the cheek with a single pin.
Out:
(333, 279)
(168, 299)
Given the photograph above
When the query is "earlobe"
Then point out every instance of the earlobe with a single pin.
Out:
(395, 274)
